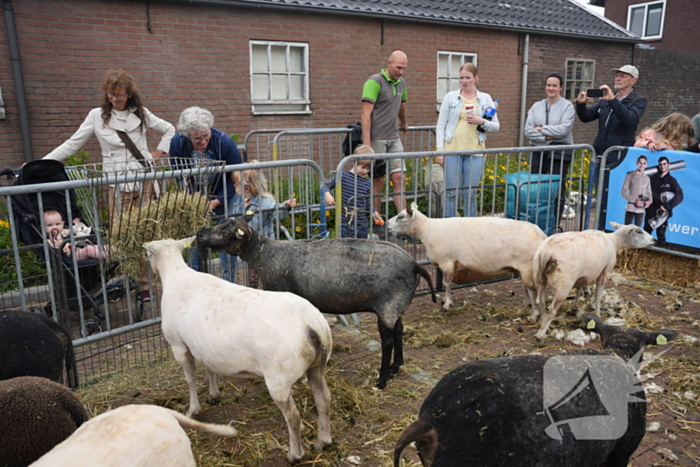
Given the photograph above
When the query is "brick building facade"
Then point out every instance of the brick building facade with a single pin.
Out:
(184, 54)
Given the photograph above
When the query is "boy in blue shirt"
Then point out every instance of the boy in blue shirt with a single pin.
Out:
(356, 187)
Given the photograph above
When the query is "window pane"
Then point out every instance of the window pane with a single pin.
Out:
(569, 94)
(637, 21)
(279, 58)
(454, 69)
(441, 88)
(454, 84)
(260, 87)
(654, 20)
(296, 59)
(587, 71)
(259, 58)
(442, 65)
(279, 86)
(570, 70)
(296, 87)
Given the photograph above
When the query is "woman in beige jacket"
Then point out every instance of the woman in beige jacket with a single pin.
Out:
(122, 110)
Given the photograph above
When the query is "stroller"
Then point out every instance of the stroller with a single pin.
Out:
(69, 287)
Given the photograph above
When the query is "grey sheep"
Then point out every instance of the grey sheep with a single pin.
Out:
(35, 415)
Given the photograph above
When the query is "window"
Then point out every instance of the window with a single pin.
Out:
(579, 77)
(646, 19)
(279, 78)
(449, 64)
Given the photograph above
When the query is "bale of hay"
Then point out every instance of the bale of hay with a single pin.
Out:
(659, 267)
(175, 214)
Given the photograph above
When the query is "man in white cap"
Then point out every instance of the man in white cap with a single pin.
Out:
(617, 113)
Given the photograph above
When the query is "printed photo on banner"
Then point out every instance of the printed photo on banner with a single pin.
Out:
(656, 191)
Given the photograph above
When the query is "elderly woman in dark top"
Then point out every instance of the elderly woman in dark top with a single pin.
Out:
(198, 139)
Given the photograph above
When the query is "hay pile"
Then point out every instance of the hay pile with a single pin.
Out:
(174, 215)
(659, 267)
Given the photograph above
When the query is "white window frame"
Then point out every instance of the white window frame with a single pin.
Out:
(646, 6)
(286, 106)
(464, 57)
(571, 89)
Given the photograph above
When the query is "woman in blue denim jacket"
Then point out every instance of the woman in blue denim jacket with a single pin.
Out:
(461, 127)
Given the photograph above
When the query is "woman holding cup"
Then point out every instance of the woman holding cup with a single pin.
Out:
(461, 127)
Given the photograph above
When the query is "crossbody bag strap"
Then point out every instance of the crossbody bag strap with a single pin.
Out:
(133, 149)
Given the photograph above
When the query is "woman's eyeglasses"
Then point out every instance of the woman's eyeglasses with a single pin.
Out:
(117, 96)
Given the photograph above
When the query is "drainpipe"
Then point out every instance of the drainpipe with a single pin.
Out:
(19, 80)
(523, 93)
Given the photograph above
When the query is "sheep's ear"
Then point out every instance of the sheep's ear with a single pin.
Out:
(149, 247)
(187, 242)
(249, 215)
(615, 225)
(593, 322)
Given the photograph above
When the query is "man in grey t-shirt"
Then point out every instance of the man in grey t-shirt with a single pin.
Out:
(383, 109)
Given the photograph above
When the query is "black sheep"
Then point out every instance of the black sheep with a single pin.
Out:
(501, 412)
(33, 345)
(35, 415)
(339, 276)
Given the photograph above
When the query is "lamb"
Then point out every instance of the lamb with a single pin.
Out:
(33, 345)
(243, 332)
(579, 259)
(131, 436)
(485, 245)
(35, 415)
(339, 276)
(520, 411)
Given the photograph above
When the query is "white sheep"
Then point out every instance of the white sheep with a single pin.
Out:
(131, 436)
(243, 332)
(579, 259)
(485, 245)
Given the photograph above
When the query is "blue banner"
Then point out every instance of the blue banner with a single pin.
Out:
(675, 192)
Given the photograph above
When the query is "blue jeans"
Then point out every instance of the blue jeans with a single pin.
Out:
(462, 171)
(353, 230)
(229, 264)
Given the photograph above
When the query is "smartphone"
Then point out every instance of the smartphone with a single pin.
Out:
(595, 93)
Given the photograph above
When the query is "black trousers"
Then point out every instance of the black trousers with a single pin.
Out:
(543, 162)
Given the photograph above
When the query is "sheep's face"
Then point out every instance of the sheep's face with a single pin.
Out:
(227, 237)
(635, 237)
(158, 247)
(403, 223)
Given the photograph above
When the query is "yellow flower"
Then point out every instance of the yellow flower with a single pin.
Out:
(298, 229)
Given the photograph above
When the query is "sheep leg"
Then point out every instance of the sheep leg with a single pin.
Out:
(398, 347)
(599, 291)
(577, 297)
(214, 394)
(547, 318)
(447, 282)
(186, 360)
(539, 302)
(322, 396)
(282, 395)
(387, 336)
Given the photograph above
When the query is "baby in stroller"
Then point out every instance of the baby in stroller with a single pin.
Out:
(58, 236)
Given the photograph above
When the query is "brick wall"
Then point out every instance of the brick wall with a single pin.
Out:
(668, 79)
(548, 55)
(680, 30)
(198, 55)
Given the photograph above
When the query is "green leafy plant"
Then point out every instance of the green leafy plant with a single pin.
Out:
(33, 269)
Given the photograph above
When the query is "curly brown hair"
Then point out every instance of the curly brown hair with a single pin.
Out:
(676, 129)
(115, 80)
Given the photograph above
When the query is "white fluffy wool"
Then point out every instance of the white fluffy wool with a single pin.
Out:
(580, 337)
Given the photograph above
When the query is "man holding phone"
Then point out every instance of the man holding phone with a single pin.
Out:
(618, 115)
